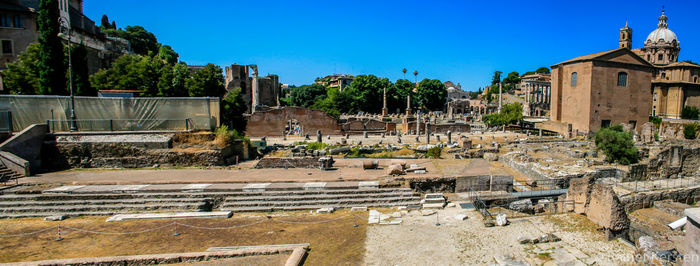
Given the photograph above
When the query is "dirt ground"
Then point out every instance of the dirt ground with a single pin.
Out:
(347, 170)
(332, 237)
(418, 241)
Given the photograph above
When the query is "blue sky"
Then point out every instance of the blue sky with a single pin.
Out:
(460, 41)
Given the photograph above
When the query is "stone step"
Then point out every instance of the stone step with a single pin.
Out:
(354, 202)
(46, 214)
(314, 207)
(322, 197)
(9, 204)
(92, 208)
(138, 195)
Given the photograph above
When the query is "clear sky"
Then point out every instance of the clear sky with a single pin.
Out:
(460, 41)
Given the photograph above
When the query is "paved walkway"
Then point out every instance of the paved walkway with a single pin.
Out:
(347, 170)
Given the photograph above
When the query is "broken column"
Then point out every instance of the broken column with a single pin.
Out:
(319, 137)
(427, 132)
(449, 137)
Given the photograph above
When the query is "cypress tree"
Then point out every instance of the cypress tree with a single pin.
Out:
(52, 71)
(81, 76)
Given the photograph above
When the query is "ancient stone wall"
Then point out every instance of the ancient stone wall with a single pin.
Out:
(296, 162)
(273, 122)
(641, 200)
(432, 185)
(599, 203)
(673, 162)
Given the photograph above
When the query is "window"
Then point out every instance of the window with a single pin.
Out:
(605, 123)
(18, 22)
(663, 75)
(661, 57)
(6, 47)
(622, 79)
(653, 111)
(633, 124)
(695, 79)
(573, 79)
(5, 21)
(654, 96)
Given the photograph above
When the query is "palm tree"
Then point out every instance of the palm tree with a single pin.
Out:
(404, 73)
(415, 73)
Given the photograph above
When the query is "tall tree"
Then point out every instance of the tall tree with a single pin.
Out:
(142, 41)
(51, 66)
(208, 81)
(168, 54)
(104, 22)
(543, 70)
(431, 95)
(81, 75)
(369, 89)
(307, 95)
(22, 76)
(404, 73)
(232, 109)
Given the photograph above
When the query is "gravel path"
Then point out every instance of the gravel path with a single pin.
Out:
(418, 241)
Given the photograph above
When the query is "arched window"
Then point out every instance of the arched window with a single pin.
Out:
(574, 79)
(622, 79)
(661, 57)
(695, 79)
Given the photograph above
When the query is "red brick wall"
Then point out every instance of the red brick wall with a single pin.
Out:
(272, 123)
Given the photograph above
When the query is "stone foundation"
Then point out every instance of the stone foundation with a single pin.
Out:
(297, 162)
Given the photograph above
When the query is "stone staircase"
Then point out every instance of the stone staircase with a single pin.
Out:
(7, 175)
(109, 202)
(311, 200)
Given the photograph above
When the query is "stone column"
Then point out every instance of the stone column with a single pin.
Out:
(319, 137)
(427, 132)
(385, 111)
(408, 105)
(500, 96)
(449, 137)
(418, 123)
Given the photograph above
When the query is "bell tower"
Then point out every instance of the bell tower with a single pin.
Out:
(626, 37)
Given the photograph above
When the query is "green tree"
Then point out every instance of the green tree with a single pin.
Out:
(232, 109)
(616, 144)
(168, 54)
(130, 72)
(81, 74)
(369, 90)
(496, 78)
(142, 41)
(307, 95)
(431, 94)
(511, 113)
(690, 112)
(104, 22)
(22, 76)
(511, 80)
(208, 81)
(397, 96)
(690, 130)
(51, 65)
(542, 70)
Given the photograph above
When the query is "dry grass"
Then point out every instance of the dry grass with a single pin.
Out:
(332, 243)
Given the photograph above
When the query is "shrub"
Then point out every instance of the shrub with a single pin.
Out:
(616, 144)
(690, 131)
(690, 112)
(316, 146)
(655, 120)
(224, 136)
(434, 152)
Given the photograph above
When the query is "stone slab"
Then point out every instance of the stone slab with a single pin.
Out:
(693, 214)
(341, 185)
(129, 188)
(314, 186)
(256, 187)
(63, 189)
(170, 215)
(195, 187)
(234, 187)
(284, 186)
(368, 184)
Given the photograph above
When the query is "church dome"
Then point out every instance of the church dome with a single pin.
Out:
(662, 32)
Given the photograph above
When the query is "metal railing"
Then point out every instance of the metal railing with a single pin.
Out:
(654, 185)
(122, 124)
